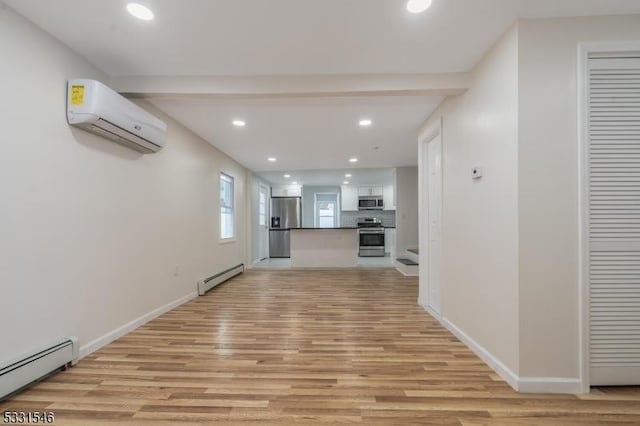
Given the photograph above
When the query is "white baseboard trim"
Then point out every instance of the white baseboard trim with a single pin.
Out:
(549, 385)
(503, 371)
(104, 340)
(520, 384)
(428, 308)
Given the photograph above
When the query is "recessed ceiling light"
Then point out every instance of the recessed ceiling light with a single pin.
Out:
(294, 183)
(353, 160)
(287, 176)
(348, 175)
(140, 11)
(365, 122)
(346, 182)
(272, 159)
(239, 123)
(418, 6)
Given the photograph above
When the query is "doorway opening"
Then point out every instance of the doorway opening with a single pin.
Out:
(326, 210)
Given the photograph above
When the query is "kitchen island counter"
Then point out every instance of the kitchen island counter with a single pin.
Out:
(328, 229)
(331, 248)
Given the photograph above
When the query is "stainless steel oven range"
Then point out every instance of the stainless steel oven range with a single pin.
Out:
(371, 237)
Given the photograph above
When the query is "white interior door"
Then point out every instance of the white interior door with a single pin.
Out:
(263, 222)
(613, 219)
(434, 233)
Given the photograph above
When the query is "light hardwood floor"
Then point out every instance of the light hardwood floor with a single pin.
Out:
(315, 347)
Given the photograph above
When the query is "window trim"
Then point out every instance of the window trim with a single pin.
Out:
(233, 238)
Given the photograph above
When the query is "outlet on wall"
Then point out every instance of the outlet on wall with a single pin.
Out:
(176, 271)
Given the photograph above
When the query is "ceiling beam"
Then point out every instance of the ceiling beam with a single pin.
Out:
(293, 86)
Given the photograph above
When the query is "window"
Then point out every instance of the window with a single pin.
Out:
(326, 210)
(262, 213)
(226, 207)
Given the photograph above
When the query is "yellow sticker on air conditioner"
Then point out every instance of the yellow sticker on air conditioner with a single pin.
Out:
(77, 95)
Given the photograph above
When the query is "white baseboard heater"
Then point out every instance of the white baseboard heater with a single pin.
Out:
(209, 283)
(25, 370)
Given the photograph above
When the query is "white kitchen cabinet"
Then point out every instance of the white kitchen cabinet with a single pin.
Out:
(286, 191)
(390, 242)
(349, 198)
(389, 198)
(370, 191)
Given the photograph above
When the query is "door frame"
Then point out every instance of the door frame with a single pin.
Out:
(428, 135)
(584, 49)
(267, 220)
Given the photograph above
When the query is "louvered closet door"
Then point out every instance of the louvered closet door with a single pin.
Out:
(614, 218)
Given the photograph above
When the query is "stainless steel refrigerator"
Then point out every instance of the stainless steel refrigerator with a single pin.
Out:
(286, 213)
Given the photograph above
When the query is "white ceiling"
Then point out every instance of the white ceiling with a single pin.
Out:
(211, 38)
(331, 177)
(254, 37)
(308, 133)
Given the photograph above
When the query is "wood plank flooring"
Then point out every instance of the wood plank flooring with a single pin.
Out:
(277, 347)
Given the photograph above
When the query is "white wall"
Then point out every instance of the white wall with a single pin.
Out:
(91, 232)
(406, 208)
(548, 186)
(511, 239)
(480, 218)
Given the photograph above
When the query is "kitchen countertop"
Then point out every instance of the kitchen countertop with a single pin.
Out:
(383, 227)
(324, 229)
(310, 229)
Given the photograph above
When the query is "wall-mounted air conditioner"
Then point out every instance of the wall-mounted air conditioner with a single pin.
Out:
(94, 107)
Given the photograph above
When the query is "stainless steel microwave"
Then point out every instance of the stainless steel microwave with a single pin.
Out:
(370, 203)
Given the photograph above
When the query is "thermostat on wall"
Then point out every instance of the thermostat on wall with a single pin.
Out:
(476, 172)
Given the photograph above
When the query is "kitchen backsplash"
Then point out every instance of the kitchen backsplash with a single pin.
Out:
(388, 217)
